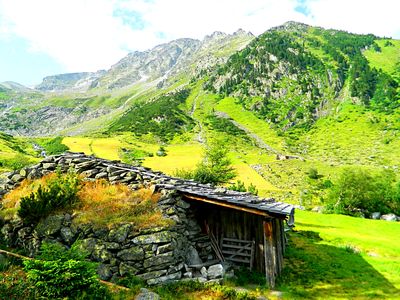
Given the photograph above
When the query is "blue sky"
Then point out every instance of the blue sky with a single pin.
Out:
(45, 37)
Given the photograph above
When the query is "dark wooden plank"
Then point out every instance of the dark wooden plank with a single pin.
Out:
(236, 246)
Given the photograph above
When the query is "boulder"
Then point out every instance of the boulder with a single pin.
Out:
(389, 217)
(49, 226)
(192, 257)
(101, 254)
(215, 271)
(376, 215)
(88, 245)
(120, 233)
(152, 275)
(67, 235)
(145, 294)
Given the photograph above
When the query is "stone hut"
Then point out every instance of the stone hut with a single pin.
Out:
(212, 227)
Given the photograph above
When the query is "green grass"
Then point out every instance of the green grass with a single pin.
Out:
(388, 58)
(341, 257)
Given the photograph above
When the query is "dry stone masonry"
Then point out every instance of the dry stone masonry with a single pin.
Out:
(156, 255)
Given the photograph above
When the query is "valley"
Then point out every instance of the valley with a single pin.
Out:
(297, 108)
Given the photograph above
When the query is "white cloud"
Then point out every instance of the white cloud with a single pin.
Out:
(358, 16)
(86, 35)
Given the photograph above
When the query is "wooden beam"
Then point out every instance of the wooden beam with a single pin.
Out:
(268, 254)
(229, 205)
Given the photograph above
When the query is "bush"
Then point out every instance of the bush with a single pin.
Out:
(55, 146)
(358, 189)
(240, 187)
(60, 192)
(215, 168)
(59, 273)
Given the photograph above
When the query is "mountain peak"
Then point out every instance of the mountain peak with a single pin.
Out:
(292, 26)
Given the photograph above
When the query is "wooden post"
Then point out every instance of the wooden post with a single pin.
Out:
(269, 253)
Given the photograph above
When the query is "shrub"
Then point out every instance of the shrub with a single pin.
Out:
(358, 189)
(215, 167)
(55, 146)
(240, 187)
(60, 192)
(59, 273)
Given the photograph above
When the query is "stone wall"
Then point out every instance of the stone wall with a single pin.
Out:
(156, 255)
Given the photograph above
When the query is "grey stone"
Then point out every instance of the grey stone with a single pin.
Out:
(203, 272)
(192, 257)
(125, 269)
(17, 178)
(112, 246)
(159, 260)
(162, 279)
(104, 271)
(164, 249)
(88, 245)
(49, 166)
(152, 275)
(188, 275)
(67, 235)
(133, 253)
(182, 204)
(158, 238)
(376, 215)
(101, 175)
(50, 225)
(145, 294)
(215, 271)
(119, 234)
(389, 217)
(101, 254)
(90, 173)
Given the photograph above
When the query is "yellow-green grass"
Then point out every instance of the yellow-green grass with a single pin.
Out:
(387, 58)
(250, 122)
(107, 148)
(182, 156)
(78, 144)
(342, 257)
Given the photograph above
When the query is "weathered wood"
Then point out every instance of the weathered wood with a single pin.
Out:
(237, 247)
(232, 206)
(269, 253)
(240, 251)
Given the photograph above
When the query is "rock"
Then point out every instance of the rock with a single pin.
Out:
(215, 271)
(203, 272)
(155, 238)
(159, 260)
(49, 166)
(112, 246)
(134, 253)
(163, 279)
(125, 269)
(182, 204)
(389, 217)
(299, 207)
(67, 235)
(145, 294)
(101, 254)
(192, 257)
(188, 275)
(49, 226)
(17, 178)
(152, 275)
(104, 272)
(101, 175)
(376, 215)
(88, 245)
(164, 248)
(119, 234)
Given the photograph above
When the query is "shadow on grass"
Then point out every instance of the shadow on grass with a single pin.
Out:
(317, 271)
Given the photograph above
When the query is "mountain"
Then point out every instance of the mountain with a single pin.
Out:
(69, 99)
(14, 86)
(69, 82)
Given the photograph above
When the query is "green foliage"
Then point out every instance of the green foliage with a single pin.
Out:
(359, 190)
(215, 167)
(18, 162)
(58, 273)
(161, 116)
(134, 156)
(239, 186)
(225, 125)
(54, 146)
(60, 192)
(161, 151)
(313, 173)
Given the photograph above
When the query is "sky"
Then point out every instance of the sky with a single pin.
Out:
(45, 37)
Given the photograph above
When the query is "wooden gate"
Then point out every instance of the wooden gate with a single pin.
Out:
(238, 251)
